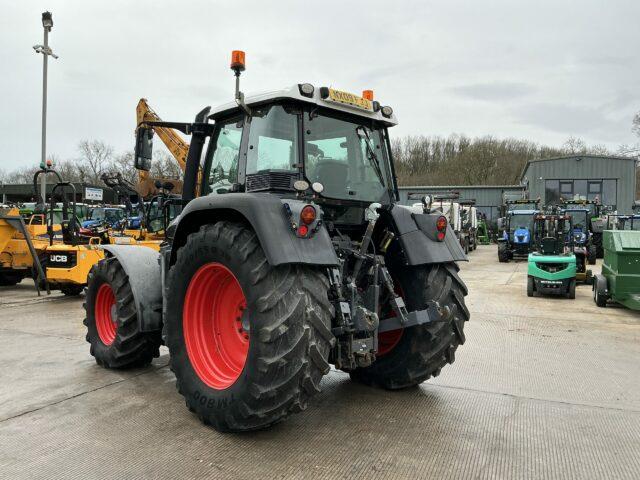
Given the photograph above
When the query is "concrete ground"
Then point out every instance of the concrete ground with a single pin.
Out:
(543, 388)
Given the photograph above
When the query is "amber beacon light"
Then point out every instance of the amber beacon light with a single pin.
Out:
(237, 60)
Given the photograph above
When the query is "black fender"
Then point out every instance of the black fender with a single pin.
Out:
(142, 266)
(417, 237)
(267, 215)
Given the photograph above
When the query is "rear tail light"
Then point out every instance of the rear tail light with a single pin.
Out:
(441, 227)
(307, 215)
(303, 230)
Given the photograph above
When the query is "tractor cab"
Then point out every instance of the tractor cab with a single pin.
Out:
(628, 222)
(326, 145)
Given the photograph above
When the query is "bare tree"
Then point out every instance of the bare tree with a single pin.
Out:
(636, 124)
(123, 164)
(574, 146)
(95, 158)
(165, 166)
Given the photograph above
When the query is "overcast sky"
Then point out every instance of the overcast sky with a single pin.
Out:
(540, 70)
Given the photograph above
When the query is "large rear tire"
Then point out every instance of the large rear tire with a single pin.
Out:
(112, 320)
(420, 352)
(249, 342)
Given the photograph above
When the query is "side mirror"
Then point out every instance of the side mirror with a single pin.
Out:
(144, 149)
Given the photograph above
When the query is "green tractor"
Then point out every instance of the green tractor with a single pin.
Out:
(620, 277)
(482, 232)
(552, 266)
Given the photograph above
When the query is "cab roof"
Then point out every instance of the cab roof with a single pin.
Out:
(293, 93)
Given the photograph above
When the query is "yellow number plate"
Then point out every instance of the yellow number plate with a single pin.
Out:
(347, 98)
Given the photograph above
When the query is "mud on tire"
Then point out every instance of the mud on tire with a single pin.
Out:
(124, 346)
(288, 316)
(421, 351)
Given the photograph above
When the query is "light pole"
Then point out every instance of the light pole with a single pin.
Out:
(47, 24)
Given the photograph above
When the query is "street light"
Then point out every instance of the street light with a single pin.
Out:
(47, 24)
(47, 20)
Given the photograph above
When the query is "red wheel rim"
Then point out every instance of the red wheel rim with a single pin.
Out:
(105, 306)
(217, 345)
(388, 340)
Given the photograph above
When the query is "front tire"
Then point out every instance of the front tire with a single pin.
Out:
(420, 352)
(530, 286)
(249, 342)
(599, 290)
(112, 320)
(571, 290)
(503, 253)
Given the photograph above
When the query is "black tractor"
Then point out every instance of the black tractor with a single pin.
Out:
(291, 254)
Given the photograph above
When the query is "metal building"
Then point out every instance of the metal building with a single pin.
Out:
(612, 179)
(488, 197)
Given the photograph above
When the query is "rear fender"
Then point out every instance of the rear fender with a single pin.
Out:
(268, 216)
(417, 237)
(142, 266)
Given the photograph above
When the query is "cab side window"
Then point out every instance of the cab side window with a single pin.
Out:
(223, 169)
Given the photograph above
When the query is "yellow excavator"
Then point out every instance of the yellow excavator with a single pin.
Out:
(147, 185)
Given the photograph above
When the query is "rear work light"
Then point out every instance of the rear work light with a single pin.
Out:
(307, 215)
(441, 227)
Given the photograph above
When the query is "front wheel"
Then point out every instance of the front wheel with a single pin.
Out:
(600, 290)
(112, 320)
(409, 357)
(249, 342)
(530, 286)
(571, 289)
(503, 253)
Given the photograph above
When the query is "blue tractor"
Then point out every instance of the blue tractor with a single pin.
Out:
(111, 217)
(517, 233)
(582, 237)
